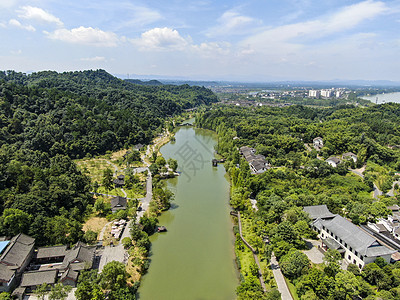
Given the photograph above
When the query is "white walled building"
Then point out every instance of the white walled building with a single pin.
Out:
(351, 241)
(326, 93)
(314, 93)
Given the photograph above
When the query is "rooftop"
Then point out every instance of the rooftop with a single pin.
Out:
(79, 254)
(18, 250)
(118, 202)
(49, 252)
(6, 273)
(353, 236)
(38, 277)
(318, 211)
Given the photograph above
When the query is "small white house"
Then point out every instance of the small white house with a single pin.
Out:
(333, 161)
(318, 143)
(350, 155)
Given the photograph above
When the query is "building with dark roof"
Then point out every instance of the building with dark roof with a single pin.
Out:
(7, 278)
(257, 163)
(30, 280)
(355, 244)
(118, 203)
(18, 252)
(318, 211)
(51, 254)
(80, 257)
(120, 181)
(69, 277)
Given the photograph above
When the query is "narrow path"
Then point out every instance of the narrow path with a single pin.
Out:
(307, 147)
(254, 255)
(391, 192)
(101, 235)
(114, 166)
(376, 190)
(280, 280)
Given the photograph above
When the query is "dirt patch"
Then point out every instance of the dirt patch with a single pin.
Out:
(117, 155)
(95, 224)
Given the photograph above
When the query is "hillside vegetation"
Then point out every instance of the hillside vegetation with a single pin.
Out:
(47, 119)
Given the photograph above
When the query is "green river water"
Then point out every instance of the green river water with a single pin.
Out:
(195, 258)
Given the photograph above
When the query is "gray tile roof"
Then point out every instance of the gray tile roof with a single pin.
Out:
(334, 159)
(6, 273)
(258, 161)
(118, 202)
(38, 278)
(332, 244)
(70, 274)
(50, 252)
(79, 254)
(318, 211)
(353, 236)
(17, 250)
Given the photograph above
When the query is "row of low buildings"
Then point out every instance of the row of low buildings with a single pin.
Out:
(257, 162)
(23, 268)
(353, 243)
(390, 226)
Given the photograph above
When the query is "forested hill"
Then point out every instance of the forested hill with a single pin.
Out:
(76, 113)
(47, 119)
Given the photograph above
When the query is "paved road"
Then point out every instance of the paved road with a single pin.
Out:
(118, 252)
(280, 280)
(145, 202)
(391, 192)
(377, 191)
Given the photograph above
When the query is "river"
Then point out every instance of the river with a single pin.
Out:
(195, 258)
(383, 98)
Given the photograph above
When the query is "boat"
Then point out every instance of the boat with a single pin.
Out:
(161, 229)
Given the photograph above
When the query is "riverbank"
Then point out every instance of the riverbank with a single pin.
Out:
(195, 258)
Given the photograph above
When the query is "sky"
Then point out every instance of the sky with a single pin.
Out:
(247, 40)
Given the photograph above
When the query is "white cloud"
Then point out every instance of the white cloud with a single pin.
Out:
(286, 38)
(162, 39)
(85, 36)
(232, 23)
(18, 24)
(143, 15)
(94, 59)
(212, 49)
(38, 14)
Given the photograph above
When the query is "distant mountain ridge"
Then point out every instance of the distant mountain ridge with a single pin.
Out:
(141, 82)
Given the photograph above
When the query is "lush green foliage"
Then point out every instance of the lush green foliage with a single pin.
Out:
(300, 177)
(110, 284)
(46, 119)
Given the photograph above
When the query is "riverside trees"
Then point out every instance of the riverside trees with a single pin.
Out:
(299, 179)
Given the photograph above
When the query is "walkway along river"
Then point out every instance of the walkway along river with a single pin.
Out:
(195, 258)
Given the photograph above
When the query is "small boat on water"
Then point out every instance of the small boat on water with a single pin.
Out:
(161, 229)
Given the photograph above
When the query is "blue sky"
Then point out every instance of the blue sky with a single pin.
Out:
(249, 40)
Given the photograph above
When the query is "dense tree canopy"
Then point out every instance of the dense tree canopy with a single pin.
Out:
(49, 118)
